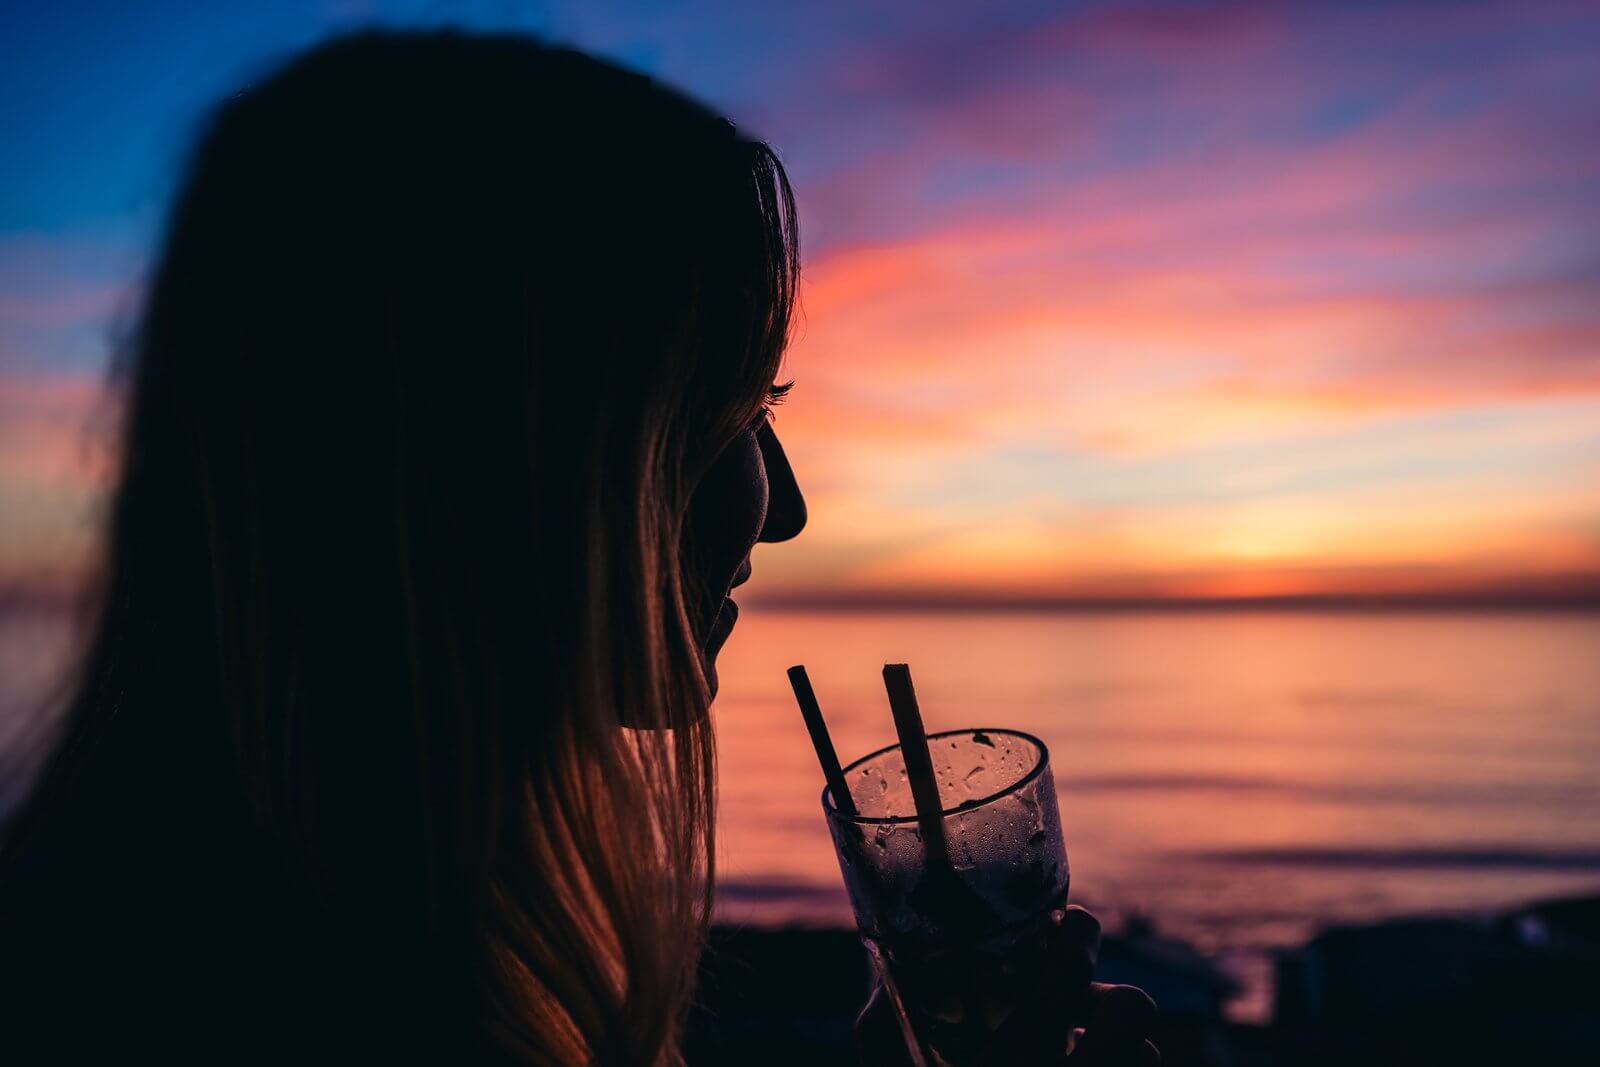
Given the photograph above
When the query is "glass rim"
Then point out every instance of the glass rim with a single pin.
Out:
(1038, 767)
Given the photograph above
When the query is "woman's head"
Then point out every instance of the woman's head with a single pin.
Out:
(442, 450)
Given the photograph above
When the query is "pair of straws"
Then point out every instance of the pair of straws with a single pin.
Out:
(913, 749)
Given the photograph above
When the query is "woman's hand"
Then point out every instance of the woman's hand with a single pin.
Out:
(1101, 1025)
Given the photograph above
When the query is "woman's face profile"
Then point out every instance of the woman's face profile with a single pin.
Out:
(749, 495)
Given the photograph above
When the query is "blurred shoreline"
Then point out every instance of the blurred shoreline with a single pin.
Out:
(1478, 989)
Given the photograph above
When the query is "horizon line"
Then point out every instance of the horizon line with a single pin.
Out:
(1583, 597)
(1577, 601)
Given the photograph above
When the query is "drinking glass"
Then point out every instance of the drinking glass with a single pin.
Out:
(962, 947)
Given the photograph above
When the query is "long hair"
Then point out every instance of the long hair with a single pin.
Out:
(444, 329)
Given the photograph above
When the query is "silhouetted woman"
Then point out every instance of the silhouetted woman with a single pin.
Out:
(445, 441)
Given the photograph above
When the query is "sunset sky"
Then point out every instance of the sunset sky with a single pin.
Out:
(1100, 300)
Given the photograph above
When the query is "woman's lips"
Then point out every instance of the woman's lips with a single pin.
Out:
(727, 616)
(721, 627)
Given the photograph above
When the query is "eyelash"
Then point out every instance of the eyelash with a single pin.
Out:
(776, 394)
(774, 397)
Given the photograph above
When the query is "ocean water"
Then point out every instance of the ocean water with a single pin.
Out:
(1239, 778)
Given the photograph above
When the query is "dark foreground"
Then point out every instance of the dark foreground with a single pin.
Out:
(1517, 988)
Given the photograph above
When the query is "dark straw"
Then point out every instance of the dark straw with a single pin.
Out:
(838, 788)
(919, 765)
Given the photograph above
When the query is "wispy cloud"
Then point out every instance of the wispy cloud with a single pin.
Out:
(1106, 298)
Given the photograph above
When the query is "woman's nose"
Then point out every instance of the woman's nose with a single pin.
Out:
(786, 507)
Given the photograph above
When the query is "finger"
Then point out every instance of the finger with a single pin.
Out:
(1080, 925)
(1076, 947)
(1121, 1017)
(1121, 1010)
